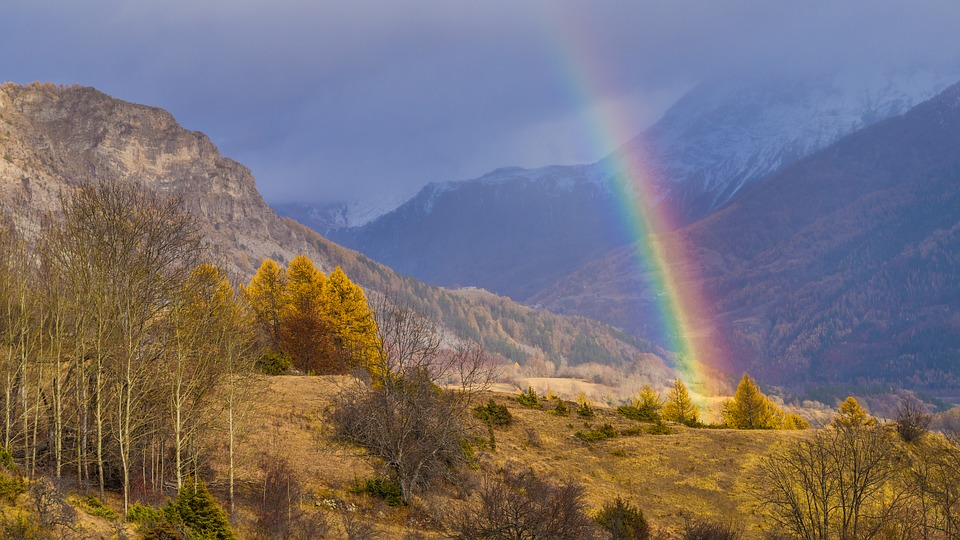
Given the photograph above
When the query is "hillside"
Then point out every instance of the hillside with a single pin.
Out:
(517, 231)
(52, 138)
(841, 268)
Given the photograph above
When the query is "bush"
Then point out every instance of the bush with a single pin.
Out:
(521, 505)
(584, 407)
(12, 483)
(196, 509)
(494, 414)
(273, 363)
(529, 398)
(660, 428)
(710, 530)
(384, 488)
(561, 409)
(144, 514)
(605, 431)
(95, 507)
(623, 521)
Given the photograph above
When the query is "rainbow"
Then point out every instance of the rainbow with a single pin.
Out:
(682, 310)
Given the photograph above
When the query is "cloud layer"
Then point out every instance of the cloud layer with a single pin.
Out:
(343, 99)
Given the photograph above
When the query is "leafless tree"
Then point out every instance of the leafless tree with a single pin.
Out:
(519, 505)
(404, 416)
(840, 483)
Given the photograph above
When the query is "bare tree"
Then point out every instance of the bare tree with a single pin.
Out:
(520, 505)
(840, 483)
(404, 417)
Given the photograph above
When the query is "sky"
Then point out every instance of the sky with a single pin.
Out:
(343, 100)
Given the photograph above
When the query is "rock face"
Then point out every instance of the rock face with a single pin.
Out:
(52, 138)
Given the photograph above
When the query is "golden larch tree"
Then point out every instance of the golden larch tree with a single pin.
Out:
(679, 407)
(353, 322)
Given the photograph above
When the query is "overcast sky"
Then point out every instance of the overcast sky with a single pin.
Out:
(339, 99)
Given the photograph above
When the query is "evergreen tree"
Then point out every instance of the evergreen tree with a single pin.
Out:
(751, 409)
(851, 414)
(679, 407)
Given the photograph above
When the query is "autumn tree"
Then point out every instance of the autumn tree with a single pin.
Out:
(852, 414)
(354, 325)
(751, 409)
(267, 296)
(679, 407)
(306, 329)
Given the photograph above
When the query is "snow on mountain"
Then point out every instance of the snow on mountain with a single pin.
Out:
(326, 217)
(726, 134)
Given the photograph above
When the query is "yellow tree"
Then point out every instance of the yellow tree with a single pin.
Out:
(306, 332)
(751, 409)
(851, 414)
(354, 327)
(266, 294)
(679, 407)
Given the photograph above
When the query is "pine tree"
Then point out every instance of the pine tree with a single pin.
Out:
(266, 294)
(353, 323)
(851, 414)
(751, 409)
(679, 407)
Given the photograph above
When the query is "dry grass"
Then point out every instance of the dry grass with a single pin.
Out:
(697, 472)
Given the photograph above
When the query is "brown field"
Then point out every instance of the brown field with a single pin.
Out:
(691, 472)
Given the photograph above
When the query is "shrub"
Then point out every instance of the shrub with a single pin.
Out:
(561, 409)
(605, 431)
(273, 363)
(494, 413)
(196, 509)
(383, 488)
(144, 514)
(660, 428)
(12, 483)
(529, 398)
(794, 421)
(95, 507)
(623, 521)
(646, 406)
(584, 407)
(521, 505)
(913, 421)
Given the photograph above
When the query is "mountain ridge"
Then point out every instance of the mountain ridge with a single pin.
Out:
(54, 138)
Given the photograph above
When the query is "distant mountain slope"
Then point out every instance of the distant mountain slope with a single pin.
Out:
(53, 137)
(842, 267)
(517, 232)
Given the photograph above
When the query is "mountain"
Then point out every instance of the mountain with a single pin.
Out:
(52, 138)
(517, 232)
(326, 217)
(842, 267)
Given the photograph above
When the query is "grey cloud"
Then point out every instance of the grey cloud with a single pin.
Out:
(340, 99)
